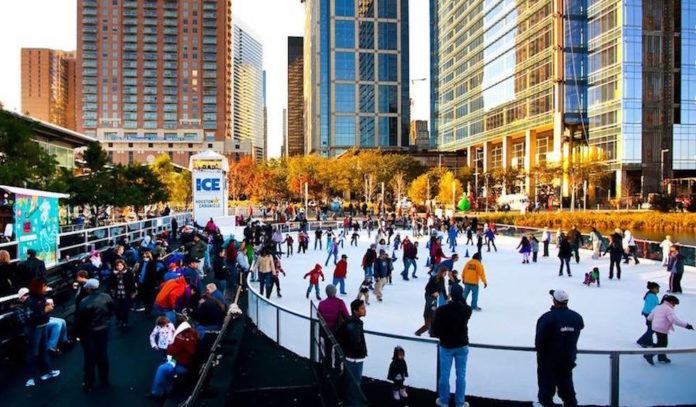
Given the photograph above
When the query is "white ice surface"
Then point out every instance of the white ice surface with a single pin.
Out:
(516, 296)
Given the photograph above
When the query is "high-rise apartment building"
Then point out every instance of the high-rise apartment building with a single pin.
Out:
(155, 76)
(248, 101)
(295, 120)
(356, 75)
(420, 136)
(48, 85)
(517, 83)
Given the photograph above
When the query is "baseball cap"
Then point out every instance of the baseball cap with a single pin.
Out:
(22, 292)
(92, 284)
(559, 295)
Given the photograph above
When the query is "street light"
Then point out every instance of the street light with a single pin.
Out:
(662, 167)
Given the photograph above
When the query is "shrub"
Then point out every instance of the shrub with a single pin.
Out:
(663, 203)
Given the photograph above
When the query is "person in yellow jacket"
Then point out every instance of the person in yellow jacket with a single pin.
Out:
(266, 269)
(472, 273)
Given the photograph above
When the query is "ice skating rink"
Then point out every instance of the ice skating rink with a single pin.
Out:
(516, 296)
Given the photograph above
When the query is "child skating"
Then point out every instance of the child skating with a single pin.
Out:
(398, 372)
(364, 291)
(592, 277)
(314, 276)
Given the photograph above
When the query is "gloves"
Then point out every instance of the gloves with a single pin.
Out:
(689, 327)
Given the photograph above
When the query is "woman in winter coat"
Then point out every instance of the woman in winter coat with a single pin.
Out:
(629, 247)
(148, 277)
(546, 239)
(675, 266)
(650, 301)
(663, 319)
(122, 290)
(615, 250)
(564, 253)
(596, 239)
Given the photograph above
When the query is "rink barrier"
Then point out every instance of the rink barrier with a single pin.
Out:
(645, 249)
(83, 241)
(269, 318)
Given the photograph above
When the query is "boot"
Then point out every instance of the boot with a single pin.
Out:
(649, 359)
(318, 297)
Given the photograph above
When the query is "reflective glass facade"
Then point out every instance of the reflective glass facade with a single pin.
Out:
(624, 68)
(356, 75)
(248, 78)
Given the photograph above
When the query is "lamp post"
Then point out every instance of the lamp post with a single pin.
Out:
(662, 167)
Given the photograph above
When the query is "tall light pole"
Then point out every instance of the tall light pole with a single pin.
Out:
(662, 167)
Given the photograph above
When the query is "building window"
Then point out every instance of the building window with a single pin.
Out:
(517, 156)
(367, 99)
(345, 8)
(386, 9)
(367, 35)
(366, 8)
(387, 67)
(496, 157)
(345, 66)
(367, 67)
(387, 36)
(388, 131)
(345, 34)
(345, 130)
(388, 99)
(345, 98)
(367, 131)
(542, 148)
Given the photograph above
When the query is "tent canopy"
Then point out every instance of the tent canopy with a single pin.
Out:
(32, 192)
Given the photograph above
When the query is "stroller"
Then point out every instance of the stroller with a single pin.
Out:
(592, 277)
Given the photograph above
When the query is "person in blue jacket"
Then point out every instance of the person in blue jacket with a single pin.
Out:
(556, 342)
(452, 238)
(650, 301)
(383, 269)
(490, 239)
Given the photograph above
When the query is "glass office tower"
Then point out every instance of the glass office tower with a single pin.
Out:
(356, 75)
(520, 82)
(249, 94)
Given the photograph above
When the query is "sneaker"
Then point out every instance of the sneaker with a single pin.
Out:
(414, 276)
(141, 309)
(50, 375)
(570, 275)
(395, 393)
(560, 274)
(30, 383)
(402, 393)
(279, 296)
(466, 404)
(438, 403)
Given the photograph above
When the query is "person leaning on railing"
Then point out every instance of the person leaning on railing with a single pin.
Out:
(7, 274)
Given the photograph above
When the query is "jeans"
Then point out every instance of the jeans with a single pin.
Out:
(164, 377)
(265, 283)
(316, 289)
(473, 289)
(566, 261)
(37, 351)
(353, 382)
(407, 265)
(94, 346)
(317, 241)
(453, 244)
(369, 271)
(647, 338)
(340, 282)
(335, 256)
(460, 356)
(491, 242)
(57, 332)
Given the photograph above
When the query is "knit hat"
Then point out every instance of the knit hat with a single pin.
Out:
(457, 292)
(92, 284)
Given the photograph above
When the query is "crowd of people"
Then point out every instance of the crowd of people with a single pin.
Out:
(188, 294)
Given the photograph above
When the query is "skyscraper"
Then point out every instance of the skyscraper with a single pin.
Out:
(155, 77)
(523, 83)
(248, 92)
(356, 75)
(295, 124)
(48, 85)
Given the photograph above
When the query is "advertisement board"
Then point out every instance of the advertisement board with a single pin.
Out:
(209, 181)
(36, 226)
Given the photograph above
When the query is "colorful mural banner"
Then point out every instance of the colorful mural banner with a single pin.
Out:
(36, 226)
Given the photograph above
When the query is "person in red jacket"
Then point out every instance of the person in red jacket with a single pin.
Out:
(169, 297)
(314, 275)
(339, 277)
(180, 356)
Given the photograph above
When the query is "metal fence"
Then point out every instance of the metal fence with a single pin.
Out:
(78, 242)
(646, 249)
(602, 377)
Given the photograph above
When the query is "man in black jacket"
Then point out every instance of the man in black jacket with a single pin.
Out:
(451, 326)
(557, 333)
(30, 269)
(616, 252)
(92, 320)
(352, 340)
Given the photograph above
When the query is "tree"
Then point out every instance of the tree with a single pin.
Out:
(23, 162)
(96, 187)
(446, 193)
(241, 176)
(418, 190)
(398, 184)
(178, 184)
(137, 185)
(465, 175)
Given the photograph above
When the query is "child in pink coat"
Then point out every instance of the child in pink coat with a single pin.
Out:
(663, 319)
